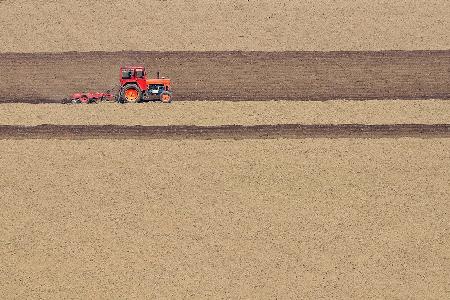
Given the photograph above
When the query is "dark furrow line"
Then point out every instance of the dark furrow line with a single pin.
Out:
(293, 131)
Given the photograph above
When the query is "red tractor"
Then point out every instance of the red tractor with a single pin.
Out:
(136, 87)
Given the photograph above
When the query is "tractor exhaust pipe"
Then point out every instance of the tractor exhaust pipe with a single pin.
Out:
(157, 75)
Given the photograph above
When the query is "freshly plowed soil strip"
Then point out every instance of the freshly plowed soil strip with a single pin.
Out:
(222, 132)
(38, 78)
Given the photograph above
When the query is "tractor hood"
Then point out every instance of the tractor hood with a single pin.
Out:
(164, 81)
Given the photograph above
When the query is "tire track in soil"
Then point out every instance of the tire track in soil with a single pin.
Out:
(293, 131)
(234, 76)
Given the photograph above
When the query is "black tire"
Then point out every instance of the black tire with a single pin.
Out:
(123, 98)
(119, 97)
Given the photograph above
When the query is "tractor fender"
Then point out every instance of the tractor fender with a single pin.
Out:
(129, 83)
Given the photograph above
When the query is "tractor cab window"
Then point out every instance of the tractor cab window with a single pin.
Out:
(139, 73)
(126, 74)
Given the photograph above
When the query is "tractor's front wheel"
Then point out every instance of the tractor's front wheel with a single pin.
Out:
(166, 97)
(131, 93)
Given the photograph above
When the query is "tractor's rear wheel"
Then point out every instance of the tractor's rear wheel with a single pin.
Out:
(166, 97)
(131, 93)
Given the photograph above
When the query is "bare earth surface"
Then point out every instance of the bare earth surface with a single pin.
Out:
(221, 218)
(237, 132)
(257, 198)
(236, 76)
(214, 113)
(205, 25)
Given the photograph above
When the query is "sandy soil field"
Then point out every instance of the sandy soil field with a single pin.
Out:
(249, 219)
(323, 174)
(235, 75)
(205, 25)
(214, 113)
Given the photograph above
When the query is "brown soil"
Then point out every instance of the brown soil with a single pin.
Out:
(223, 132)
(238, 76)
(206, 25)
(310, 218)
(214, 113)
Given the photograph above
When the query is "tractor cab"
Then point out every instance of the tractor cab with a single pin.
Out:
(134, 75)
(132, 72)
